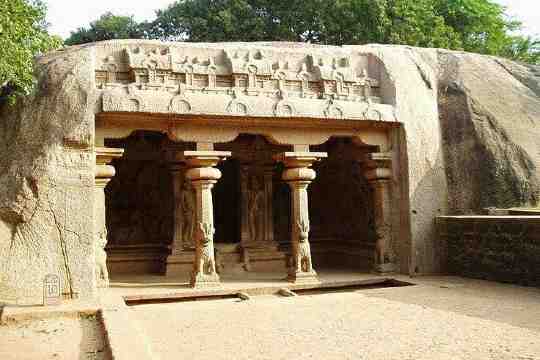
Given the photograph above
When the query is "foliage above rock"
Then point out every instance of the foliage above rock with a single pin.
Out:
(108, 26)
(23, 35)
(472, 25)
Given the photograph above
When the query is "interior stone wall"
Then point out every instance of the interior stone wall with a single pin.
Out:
(281, 209)
(341, 209)
(140, 198)
(226, 197)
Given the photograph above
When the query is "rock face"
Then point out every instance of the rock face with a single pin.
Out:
(490, 121)
(46, 182)
(469, 140)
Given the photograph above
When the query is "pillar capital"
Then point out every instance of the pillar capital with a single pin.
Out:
(201, 175)
(299, 159)
(103, 171)
(105, 155)
(376, 166)
(204, 158)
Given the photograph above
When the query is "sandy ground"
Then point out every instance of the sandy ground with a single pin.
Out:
(56, 338)
(510, 304)
(450, 319)
(438, 318)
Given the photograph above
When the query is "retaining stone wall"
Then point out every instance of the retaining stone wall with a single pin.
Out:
(499, 248)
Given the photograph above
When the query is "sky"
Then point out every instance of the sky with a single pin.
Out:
(65, 16)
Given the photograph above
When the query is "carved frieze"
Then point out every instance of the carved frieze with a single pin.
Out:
(239, 81)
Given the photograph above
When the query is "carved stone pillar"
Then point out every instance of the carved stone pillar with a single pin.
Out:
(203, 175)
(103, 174)
(298, 176)
(377, 168)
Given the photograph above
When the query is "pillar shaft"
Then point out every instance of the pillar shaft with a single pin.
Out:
(385, 255)
(203, 176)
(298, 176)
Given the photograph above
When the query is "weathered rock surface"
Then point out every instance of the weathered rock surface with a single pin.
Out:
(469, 140)
(46, 182)
(490, 121)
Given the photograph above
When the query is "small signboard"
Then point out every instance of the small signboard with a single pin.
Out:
(51, 290)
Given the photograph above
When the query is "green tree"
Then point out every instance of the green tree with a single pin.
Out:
(316, 21)
(481, 24)
(107, 27)
(209, 20)
(472, 25)
(525, 49)
(23, 35)
(417, 23)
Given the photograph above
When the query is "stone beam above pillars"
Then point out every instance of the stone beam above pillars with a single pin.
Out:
(203, 175)
(104, 172)
(298, 176)
(377, 168)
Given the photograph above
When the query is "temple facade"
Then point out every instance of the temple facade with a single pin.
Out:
(200, 161)
(244, 160)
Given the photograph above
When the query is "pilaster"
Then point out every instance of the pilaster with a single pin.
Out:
(182, 250)
(104, 172)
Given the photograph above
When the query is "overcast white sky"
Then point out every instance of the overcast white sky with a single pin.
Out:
(67, 15)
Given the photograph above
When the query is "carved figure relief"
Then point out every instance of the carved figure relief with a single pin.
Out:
(102, 274)
(205, 234)
(303, 257)
(366, 83)
(256, 204)
(384, 253)
(188, 213)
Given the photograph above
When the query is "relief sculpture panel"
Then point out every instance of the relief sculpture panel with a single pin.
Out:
(242, 81)
(256, 209)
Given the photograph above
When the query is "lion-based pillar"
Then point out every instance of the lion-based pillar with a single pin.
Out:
(104, 172)
(203, 175)
(298, 176)
(378, 171)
